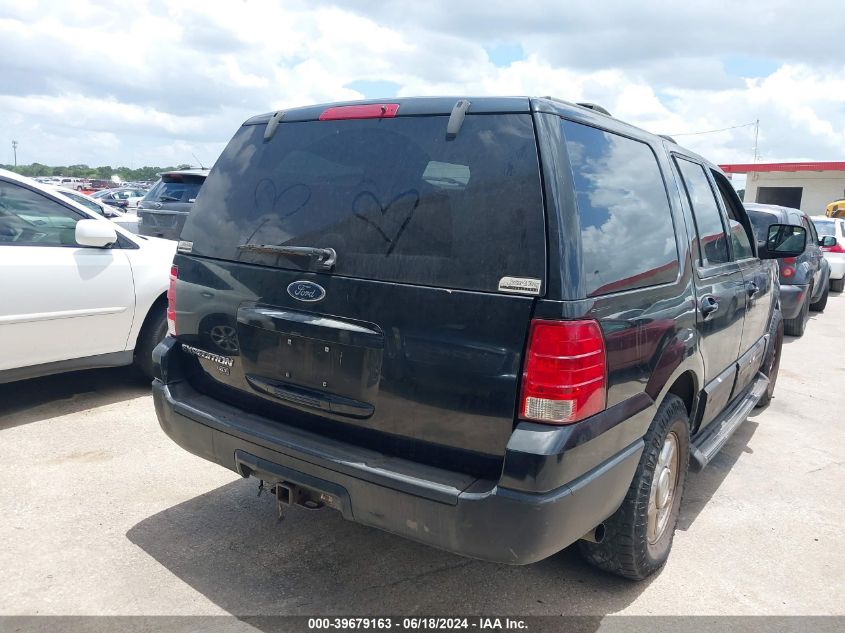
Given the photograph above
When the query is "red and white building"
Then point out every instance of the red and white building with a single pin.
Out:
(806, 186)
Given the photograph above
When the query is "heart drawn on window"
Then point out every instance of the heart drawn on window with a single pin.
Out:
(387, 220)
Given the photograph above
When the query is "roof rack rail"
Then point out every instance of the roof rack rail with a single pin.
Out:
(595, 107)
(668, 138)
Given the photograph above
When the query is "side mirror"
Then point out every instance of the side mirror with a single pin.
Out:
(95, 233)
(783, 240)
(827, 241)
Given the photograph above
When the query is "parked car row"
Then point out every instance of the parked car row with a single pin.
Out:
(804, 280)
(128, 221)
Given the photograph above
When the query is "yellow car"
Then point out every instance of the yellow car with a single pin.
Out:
(836, 209)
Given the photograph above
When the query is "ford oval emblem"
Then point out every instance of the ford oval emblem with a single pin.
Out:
(306, 291)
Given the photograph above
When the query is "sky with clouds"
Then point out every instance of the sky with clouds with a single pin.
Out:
(158, 82)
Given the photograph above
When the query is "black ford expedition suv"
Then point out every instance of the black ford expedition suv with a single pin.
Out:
(497, 325)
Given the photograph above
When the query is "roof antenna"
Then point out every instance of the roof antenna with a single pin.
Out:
(456, 119)
(198, 160)
(272, 125)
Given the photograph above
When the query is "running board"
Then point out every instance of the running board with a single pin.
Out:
(704, 448)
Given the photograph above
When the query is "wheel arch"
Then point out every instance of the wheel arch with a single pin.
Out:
(679, 370)
(160, 300)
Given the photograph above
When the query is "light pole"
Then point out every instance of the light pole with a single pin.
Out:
(15, 150)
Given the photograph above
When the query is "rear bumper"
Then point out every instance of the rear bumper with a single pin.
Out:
(496, 521)
(791, 299)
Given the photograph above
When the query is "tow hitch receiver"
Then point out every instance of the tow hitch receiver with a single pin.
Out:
(288, 494)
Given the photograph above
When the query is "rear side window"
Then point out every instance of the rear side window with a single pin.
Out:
(395, 198)
(627, 235)
(708, 219)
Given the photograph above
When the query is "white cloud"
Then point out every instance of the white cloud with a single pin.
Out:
(162, 79)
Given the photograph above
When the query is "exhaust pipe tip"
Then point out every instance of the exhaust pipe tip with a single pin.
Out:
(596, 535)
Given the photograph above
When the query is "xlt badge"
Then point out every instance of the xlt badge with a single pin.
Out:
(306, 291)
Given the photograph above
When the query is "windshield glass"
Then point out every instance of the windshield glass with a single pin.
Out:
(395, 198)
(85, 201)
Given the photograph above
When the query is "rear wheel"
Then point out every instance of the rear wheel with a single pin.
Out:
(152, 333)
(796, 326)
(638, 537)
(837, 285)
(771, 362)
(819, 305)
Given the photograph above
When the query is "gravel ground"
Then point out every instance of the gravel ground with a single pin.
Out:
(100, 513)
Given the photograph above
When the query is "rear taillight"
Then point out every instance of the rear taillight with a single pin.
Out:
(565, 375)
(833, 249)
(786, 268)
(171, 301)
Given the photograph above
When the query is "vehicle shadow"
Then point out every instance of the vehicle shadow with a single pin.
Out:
(228, 545)
(701, 486)
(39, 399)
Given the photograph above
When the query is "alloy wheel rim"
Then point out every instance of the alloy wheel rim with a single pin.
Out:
(664, 486)
(224, 337)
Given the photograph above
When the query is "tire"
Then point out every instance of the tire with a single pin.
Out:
(152, 333)
(635, 545)
(837, 285)
(819, 305)
(796, 326)
(771, 362)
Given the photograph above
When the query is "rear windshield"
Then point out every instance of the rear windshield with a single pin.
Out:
(176, 188)
(825, 227)
(394, 198)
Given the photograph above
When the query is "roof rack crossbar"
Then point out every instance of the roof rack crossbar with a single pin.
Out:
(456, 118)
(273, 124)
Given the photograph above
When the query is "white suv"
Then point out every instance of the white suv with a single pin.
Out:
(77, 291)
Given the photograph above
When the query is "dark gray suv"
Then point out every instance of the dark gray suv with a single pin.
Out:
(163, 210)
(804, 279)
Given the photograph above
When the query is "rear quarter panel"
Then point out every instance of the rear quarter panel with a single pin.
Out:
(151, 276)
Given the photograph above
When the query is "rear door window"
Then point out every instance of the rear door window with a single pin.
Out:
(395, 198)
(627, 234)
(708, 219)
(740, 240)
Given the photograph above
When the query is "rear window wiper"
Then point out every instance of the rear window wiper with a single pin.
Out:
(325, 258)
(165, 198)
